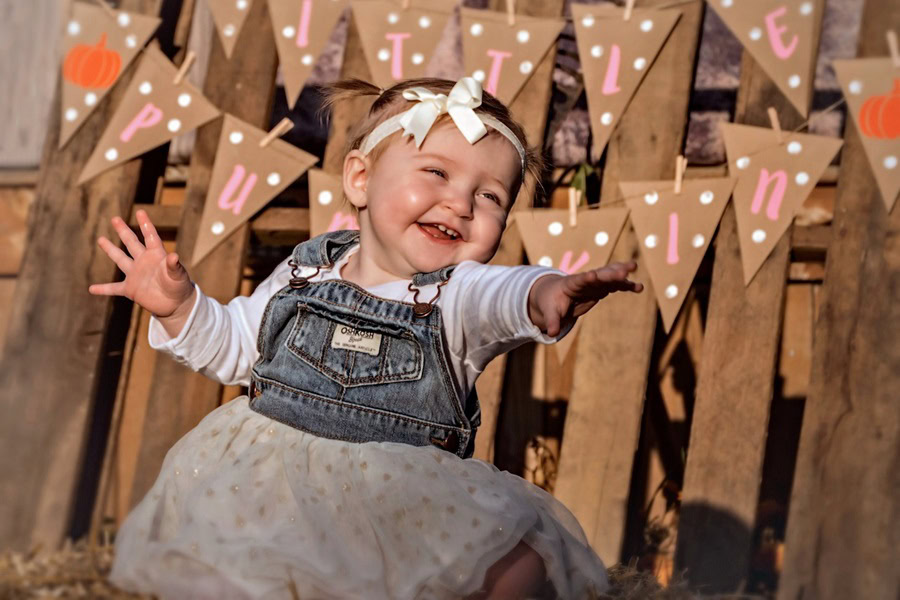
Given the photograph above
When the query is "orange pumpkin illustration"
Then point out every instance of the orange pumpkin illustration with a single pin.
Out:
(92, 66)
(879, 116)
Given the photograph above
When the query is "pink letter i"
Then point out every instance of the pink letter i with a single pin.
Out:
(397, 53)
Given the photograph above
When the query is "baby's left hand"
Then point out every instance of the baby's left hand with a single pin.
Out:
(555, 300)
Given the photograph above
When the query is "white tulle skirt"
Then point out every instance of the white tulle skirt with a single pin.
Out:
(247, 507)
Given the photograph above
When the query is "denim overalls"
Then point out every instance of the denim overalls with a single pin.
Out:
(340, 363)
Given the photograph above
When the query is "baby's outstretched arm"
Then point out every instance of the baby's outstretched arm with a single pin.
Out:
(555, 300)
(154, 278)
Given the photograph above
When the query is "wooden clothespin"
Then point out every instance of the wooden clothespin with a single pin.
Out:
(680, 168)
(574, 197)
(107, 8)
(894, 48)
(185, 66)
(279, 130)
(629, 6)
(776, 124)
(511, 12)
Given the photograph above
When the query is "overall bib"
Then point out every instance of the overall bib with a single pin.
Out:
(340, 363)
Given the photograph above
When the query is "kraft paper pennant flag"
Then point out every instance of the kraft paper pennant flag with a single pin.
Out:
(774, 179)
(302, 28)
(780, 35)
(328, 211)
(399, 43)
(503, 56)
(97, 46)
(872, 89)
(245, 178)
(564, 346)
(674, 231)
(229, 17)
(615, 56)
(153, 111)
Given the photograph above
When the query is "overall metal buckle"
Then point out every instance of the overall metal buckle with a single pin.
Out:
(423, 309)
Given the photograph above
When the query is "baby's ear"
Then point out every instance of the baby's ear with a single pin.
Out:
(357, 168)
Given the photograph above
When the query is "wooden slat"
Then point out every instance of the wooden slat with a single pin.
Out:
(242, 86)
(735, 383)
(604, 415)
(842, 530)
(57, 330)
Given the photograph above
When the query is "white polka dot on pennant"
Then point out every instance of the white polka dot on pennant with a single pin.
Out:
(755, 34)
(478, 75)
(597, 51)
(273, 179)
(602, 238)
(384, 55)
(671, 291)
(794, 148)
(235, 137)
(123, 19)
(587, 20)
(698, 240)
(726, 3)
(794, 81)
(650, 241)
(145, 88)
(743, 162)
(890, 162)
(184, 100)
(606, 118)
(476, 29)
(555, 228)
(74, 28)
(241, 4)
(651, 198)
(545, 261)
(523, 36)
(646, 25)
(228, 30)
(639, 63)
(217, 228)
(90, 98)
(111, 154)
(288, 32)
(325, 197)
(393, 18)
(417, 58)
(71, 114)
(855, 86)
(173, 125)
(707, 197)
(307, 59)
(424, 22)
(758, 236)
(801, 178)
(806, 8)
(131, 40)
(525, 67)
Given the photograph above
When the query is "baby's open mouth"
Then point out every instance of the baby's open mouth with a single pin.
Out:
(439, 232)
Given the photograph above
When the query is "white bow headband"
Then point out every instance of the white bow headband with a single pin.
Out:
(459, 104)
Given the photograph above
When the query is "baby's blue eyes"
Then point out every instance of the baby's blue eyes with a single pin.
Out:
(442, 174)
(438, 172)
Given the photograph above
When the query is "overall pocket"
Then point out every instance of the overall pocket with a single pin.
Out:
(381, 353)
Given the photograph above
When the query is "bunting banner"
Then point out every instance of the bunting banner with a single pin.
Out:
(153, 111)
(302, 28)
(97, 47)
(229, 17)
(328, 211)
(781, 36)
(615, 56)
(774, 179)
(872, 89)
(245, 177)
(674, 231)
(503, 56)
(399, 43)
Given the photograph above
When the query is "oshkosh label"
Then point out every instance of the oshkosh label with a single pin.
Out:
(349, 338)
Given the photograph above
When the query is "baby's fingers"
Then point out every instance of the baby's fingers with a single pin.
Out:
(108, 289)
(151, 237)
(115, 253)
(134, 245)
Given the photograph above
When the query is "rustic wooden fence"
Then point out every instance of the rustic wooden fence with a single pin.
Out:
(90, 410)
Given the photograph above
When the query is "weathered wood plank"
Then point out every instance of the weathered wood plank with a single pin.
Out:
(842, 530)
(57, 330)
(613, 352)
(242, 86)
(735, 383)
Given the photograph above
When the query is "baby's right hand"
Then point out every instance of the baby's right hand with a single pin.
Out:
(154, 278)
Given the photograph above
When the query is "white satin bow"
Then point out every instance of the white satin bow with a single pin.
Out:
(459, 104)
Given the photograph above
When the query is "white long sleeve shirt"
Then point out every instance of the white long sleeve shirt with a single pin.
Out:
(484, 310)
